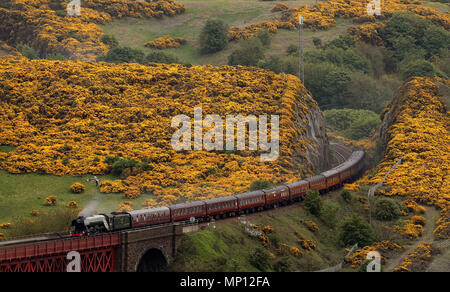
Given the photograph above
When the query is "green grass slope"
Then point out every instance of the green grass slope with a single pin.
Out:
(136, 33)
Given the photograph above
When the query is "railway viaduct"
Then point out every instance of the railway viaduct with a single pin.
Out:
(143, 250)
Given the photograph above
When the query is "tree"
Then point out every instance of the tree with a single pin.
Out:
(436, 40)
(356, 230)
(276, 64)
(368, 93)
(313, 202)
(328, 84)
(213, 37)
(418, 68)
(344, 42)
(250, 53)
(386, 209)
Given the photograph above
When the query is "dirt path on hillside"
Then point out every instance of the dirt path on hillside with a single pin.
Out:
(431, 215)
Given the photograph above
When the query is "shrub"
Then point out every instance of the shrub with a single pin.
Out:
(35, 213)
(264, 36)
(161, 57)
(51, 201)
(260, 259)
(386, 209)
(329, 213)
(6, 225)
(260, 184)
(110, 40)
(292, 50)
(72, 204)
(27, 51)
(125, 206)
(313, 202)
(312, 226)
(124, 55)
(356, 230)
(213, 37)
(317, 42)
(346, 196)
(123, 163)
(282, 266)
(77, 188)
(166, 42)
(132, 193)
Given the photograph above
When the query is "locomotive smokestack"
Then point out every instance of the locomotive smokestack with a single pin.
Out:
(89, 210)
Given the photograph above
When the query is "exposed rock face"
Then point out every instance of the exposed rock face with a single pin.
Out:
(316, 131)
(317, 151)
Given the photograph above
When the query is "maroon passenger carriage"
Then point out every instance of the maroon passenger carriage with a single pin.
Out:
(186, 211)
(151, 216)
(276, 196)
(221, 206)
(251, 201)
(298, 189)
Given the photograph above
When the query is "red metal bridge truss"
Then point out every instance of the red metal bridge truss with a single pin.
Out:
(97, 254)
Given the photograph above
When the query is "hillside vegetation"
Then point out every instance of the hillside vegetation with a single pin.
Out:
(415, 127)
(78, 118)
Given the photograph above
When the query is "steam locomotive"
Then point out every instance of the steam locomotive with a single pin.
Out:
(223, 206)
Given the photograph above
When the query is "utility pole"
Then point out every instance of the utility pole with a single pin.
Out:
(301, 67)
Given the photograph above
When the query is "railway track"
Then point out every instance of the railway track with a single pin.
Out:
(340, 153)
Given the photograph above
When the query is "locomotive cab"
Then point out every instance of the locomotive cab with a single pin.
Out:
(80, 228)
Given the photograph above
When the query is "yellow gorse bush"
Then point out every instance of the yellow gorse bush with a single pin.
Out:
(360, 255)
(77, 188)
(50, 201)
(125, 206)
(81, 113)
(35, 213)
(312, 226)
(72, 204)
(166, 42)
(418, 259)
(6, 225)
(307, 245)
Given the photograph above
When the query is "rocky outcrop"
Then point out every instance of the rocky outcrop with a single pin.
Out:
(318, 152)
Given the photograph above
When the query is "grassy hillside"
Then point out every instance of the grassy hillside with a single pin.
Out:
(135, 33)
(20, 194)
(229, 247)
